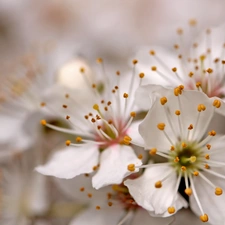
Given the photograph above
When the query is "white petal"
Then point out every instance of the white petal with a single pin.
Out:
(109, 216)
(146, 95)
(142, 217)
(186, 217)
(212, 204)
(113, 165)
(134, 134)
(169, 59)
(166, 114)
(156, 200)
(71, 162)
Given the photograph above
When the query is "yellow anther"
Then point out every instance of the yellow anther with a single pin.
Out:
(208, 146)
(96, 107)
(176, 159)
(174, 69)
(208, 31)
(78, 139)
(152, 151)
(207, 166)
(209, 70)
(99, 60)
(135, 61)
(216, 103)
(161, 126)
(190, 127)
(82, 70)
(110, 203)
(176, 46)
(98, 207)
(193, 159)
(141, 75)
(192, 22)
(127, 140)
(68, 142)
(94, 168)
(163, 100)
(202, 57)
(118, 73)
(89, 195)
(218, 191)
(191, 74)
(178, 91)
(133, 114)
(125, 95)
(201, 107)
(212, 133)
(171, 210)
(181, 87)
(198, 84)
(140, 156)
(204, 218)
(207, 156)
(196, 173)
(177, 112)
(172, 148)
(131, 167)
(93, 120)
(188, 191)
(152, 52)
(183, 144)
(94, 85)
(180, 31)
(183, 168)
(82, 189)
(42, 104)
(154, 68)
(43, 122)
(158, 184)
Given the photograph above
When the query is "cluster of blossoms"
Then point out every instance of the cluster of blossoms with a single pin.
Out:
(137, 147)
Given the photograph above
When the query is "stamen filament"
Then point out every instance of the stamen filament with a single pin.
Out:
(195, 195)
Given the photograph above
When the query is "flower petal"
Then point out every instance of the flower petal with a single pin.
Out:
(156, 200)
(164, 60)
(143, 216)
(113, 165)
(212, 204)
(187, 104)
(146, 95)
(71, 162)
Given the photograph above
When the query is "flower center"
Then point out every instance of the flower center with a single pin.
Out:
(124, 197)
(186, 157)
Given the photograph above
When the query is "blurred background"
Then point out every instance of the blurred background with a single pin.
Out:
(87, 29)
(101, 28)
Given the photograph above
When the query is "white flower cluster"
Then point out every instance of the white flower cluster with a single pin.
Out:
(132, 148)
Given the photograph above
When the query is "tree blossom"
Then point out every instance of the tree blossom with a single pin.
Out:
(24, 92)
(109, 205)
(103, 121)
(176, 128)
(198, 67)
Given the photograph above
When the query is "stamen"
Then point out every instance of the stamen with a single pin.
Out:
(195, 196)
(126, 217)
